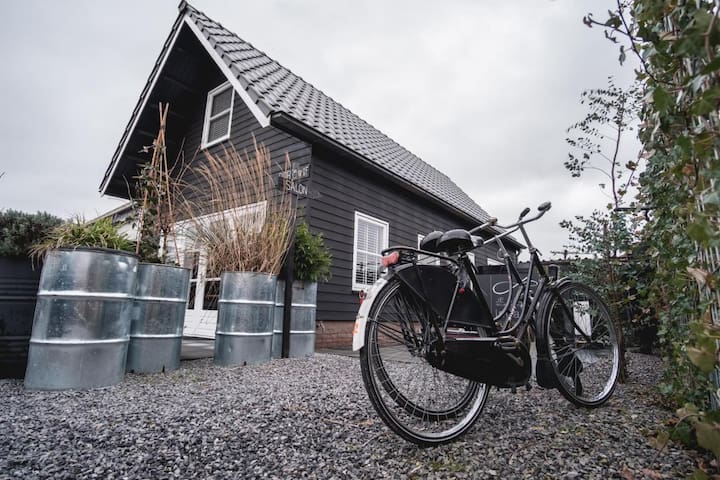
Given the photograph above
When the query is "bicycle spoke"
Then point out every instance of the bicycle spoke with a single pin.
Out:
(418, 401)
(583, 345)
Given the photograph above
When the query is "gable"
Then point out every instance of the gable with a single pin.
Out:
(277, 96)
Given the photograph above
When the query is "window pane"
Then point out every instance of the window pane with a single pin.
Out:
(212, 270)
(372, 272)
(191, 297)
(212, 292)
(374, 236)
(191, 260)
(360, 267)
(221, 102)
(369, 242)
(219, 127)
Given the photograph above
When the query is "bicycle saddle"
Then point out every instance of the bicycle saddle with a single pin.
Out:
(430, 242)
(455, 241)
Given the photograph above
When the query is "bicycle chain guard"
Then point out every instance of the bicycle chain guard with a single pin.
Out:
(483, 360)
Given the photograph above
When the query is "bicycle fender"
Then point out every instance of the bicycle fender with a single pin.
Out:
(540, 340)
(361, 320)
(544, 373)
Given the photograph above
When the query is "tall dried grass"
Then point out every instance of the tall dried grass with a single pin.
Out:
(238, 236)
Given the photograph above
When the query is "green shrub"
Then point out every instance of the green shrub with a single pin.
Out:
(20, 230)
(77, 233)
(312, 258)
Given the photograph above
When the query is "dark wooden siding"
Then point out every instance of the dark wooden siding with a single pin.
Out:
(346, 187)
(244, 129)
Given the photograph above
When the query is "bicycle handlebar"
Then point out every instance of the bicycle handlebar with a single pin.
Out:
(491, 222)
(543, 208)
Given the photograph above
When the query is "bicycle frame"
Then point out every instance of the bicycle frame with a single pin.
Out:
(508, 336)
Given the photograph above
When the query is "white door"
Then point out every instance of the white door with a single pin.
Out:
(201, 315)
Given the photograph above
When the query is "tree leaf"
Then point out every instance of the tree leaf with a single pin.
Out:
(700, 276)
(708, 436)
(698, 475)
(702, 359)
(661, 99)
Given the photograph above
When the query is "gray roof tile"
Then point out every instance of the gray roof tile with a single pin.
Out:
(277, 89)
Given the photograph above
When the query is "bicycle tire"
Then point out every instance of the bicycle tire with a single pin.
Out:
(418, 402)
(580, 339)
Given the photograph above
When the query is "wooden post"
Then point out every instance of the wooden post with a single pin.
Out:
(287, 306)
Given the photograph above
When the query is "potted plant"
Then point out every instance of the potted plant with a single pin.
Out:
(243, 224)
(162, 287)
(82, 317)
(312, 262)
(19, 280)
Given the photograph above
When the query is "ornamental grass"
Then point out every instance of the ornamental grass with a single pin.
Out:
(236, 213)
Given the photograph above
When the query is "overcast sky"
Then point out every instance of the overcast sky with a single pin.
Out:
(483, 91)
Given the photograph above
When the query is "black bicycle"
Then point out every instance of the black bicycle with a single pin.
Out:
(430, 348)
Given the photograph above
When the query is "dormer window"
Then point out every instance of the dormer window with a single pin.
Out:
(218, 115)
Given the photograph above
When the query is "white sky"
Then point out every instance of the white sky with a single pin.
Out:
(483, 91)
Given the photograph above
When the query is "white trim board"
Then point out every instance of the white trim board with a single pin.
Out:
(257, 113)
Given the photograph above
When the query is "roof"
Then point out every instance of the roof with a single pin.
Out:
(276, 89)
(272, 91)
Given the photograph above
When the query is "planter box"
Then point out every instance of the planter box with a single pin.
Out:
(245, 318)
(82, 319)
(158, 314)
(18, 294)
(302, 319)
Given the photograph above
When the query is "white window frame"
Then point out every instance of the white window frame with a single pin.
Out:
(356, 287)
(208, 117)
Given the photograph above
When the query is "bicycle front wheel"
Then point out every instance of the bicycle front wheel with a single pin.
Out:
(420, 403)
(582, 343)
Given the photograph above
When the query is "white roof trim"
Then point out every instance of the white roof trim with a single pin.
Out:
(257, 113)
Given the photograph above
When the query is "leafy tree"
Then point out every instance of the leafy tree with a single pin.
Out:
(678, 47)
(154, 201)
(602, 242)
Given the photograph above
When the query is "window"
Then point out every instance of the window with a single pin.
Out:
(371, 238)
(218, 115)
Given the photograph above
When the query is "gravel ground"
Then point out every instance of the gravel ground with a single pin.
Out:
(311, 418)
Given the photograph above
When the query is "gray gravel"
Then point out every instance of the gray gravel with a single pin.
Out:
(311, 418)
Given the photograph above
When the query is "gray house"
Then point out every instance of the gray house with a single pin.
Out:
(368, 192)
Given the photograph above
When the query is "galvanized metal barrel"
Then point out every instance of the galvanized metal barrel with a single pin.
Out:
(82, 319)
(245, 318)
(18, 289)
(158, 314)
(302, 319)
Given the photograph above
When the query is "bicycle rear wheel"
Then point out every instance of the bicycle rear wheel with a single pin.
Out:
(582, 343)
(420, 403)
